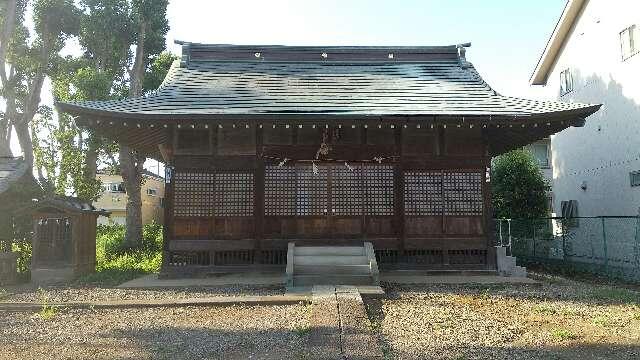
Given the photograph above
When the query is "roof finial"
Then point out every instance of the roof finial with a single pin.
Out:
(461, 54)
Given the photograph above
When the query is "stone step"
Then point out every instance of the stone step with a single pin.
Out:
(418, 272)
(332, 269)
(308, 280)
(330, 260)
(329, 250)
(519, 271)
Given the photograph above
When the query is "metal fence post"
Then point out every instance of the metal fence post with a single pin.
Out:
(510, 244)
(533, 232)
(500, 230)
(564, 240)
(604, 245)
(637, 247)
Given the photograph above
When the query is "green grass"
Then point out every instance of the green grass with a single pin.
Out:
(123, 267)
(563, 335)
(116, 264)
(302, 331)
(615, 294)
(545, 309)
(48, 311)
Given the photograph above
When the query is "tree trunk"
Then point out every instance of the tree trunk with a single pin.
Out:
(131, 171)
(5, 138)
(131, 165)
(91, 157)
(24, 138)
(8, 28)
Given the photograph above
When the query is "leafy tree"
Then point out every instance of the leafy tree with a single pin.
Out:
(150, 24)
(26, 59)
(519, 189)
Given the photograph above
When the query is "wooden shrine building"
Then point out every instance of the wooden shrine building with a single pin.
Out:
(267, 145)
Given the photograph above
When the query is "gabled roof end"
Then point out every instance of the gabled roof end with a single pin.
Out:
(561, 32)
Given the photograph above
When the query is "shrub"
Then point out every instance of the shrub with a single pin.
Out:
(116, 264)
(110, 239)
(152, 237)
(519, 188)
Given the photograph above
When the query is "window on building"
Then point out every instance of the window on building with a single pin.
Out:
(569, 210)
(114, 187)
(152, 192)
(566, 82)
(541, 152)
(630, 42)
(635, 178)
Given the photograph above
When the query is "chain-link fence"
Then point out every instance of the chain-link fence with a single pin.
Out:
(604, 245)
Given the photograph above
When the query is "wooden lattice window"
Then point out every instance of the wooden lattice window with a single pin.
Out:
(193, 194)
(346, 190)
(199, 194)
(423, 193)
(462, 193)
(234, 194)
(54, 240)
(312, 190)
(280, 190)
(378, 187)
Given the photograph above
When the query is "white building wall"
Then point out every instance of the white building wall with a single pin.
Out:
(604, 151)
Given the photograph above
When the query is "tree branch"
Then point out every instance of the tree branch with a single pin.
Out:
(7, 32)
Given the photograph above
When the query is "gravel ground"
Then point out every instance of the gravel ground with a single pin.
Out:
(560, 320)
(61, 294)
(239, 332)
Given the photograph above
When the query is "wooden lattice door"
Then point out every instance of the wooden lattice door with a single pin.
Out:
(332, 201)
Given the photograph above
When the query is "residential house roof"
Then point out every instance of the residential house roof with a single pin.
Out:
(556, 42)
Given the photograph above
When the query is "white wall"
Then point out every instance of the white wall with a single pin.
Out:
(607, 148)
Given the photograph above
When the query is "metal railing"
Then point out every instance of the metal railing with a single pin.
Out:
(603, 245)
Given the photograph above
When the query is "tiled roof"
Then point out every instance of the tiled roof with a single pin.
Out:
(360, 81)
(11, 170)
(70, 203)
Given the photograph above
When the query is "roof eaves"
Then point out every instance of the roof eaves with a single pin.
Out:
(565, 24)
(19, 168)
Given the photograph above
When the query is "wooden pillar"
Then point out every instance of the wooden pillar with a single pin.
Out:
(398, 176)
(35, 240)
(169, 180)
(441, 153)
(489, 224)
(76, 241)
(258, 191)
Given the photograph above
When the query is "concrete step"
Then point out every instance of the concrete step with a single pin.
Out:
(329, 250)
(307, 280)
(519, 271)
(418, 272)
(332, 269)
(330, 260)
(509, 262)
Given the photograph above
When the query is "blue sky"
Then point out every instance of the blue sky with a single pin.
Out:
(507, 36)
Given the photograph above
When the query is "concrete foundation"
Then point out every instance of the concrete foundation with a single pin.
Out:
(47, 276)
